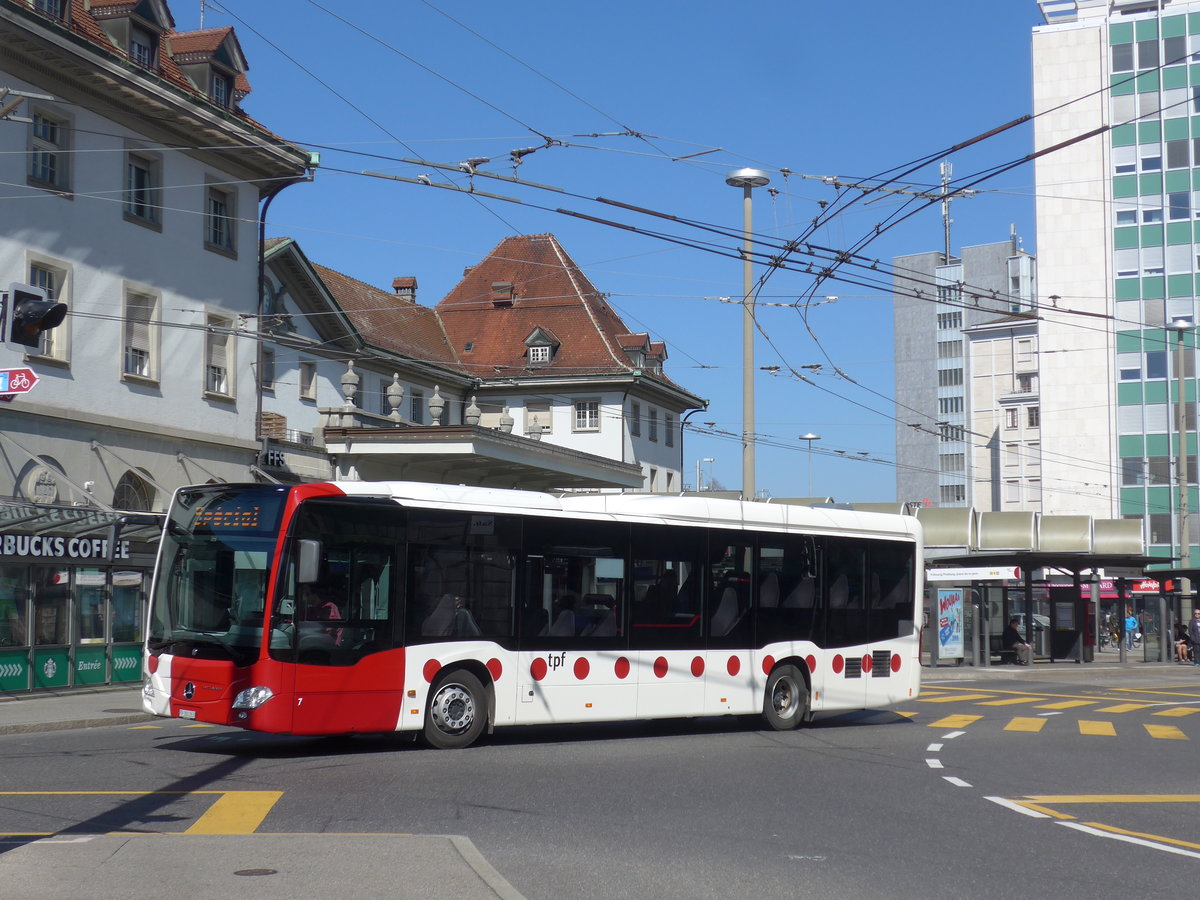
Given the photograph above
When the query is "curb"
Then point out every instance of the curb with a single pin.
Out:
(33, 727)
(480, 866)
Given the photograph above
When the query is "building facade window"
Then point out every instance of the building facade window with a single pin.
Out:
(266, 370)
(49, 151)
(52, 279)
(539, 354)
(669, 432)
(635, 419)
(952, 493)
(949, 321)
(1033, 416)
(143, 188)
(138, 358)
(950, 377)
(55, 9)
(537, 416)
(416, 408)
(219, 232)
(949, 349)
(587, 415)
(950, 405)
(308, 380)
(1010, 417)
(652, 422)
(218, 356)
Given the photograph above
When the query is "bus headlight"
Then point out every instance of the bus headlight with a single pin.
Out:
(147, 690)
(252, 698)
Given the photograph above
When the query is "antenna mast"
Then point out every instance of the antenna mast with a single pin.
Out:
(946, 168)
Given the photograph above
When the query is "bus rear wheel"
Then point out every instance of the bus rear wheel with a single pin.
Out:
(786, 701)
(457, 711)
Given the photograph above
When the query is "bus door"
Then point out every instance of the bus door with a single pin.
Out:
(574, 663)
(850, 659)
(337, 625)
(667, 634)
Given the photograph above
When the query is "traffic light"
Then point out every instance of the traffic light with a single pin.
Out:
(30, 313)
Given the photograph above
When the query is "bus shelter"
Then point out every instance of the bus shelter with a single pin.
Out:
(1058, 576)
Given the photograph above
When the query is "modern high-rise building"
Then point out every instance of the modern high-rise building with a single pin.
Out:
(945, 309)
(1116, 90)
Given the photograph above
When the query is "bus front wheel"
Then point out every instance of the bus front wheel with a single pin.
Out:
(786, 702)
(457, 711)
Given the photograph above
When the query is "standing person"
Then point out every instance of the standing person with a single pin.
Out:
(1131, 627)
(1011, 640)
(1193, 631)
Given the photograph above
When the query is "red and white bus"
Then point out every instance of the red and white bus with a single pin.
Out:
(444, 611)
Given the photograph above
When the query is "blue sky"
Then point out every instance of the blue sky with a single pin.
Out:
(818, 89)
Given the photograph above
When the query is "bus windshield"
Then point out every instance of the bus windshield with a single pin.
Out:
(213, 565)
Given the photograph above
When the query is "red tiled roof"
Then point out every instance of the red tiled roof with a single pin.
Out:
(549, 292)
(83, 21)
(387, 322)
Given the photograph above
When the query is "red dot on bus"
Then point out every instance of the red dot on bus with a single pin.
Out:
(811, 662)
(768, 664)
(582, 668)
(495, 668)
(431, 669)
(838, 664)
(866, 663)
(733, 666)
(895, 662)
(660, 667)
(698, 666)
(621, 667)
(152, 664)
(537, 669)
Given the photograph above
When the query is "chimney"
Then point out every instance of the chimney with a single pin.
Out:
(405, 287)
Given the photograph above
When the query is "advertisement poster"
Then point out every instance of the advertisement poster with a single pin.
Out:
(950, 623)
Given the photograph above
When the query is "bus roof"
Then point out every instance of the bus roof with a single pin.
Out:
(657, 508)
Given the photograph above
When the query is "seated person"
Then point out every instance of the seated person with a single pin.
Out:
(1012, 641)
(318, 607)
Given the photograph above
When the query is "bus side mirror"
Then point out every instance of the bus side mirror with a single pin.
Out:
(308, 561)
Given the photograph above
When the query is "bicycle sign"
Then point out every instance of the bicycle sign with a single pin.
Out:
(17, 381)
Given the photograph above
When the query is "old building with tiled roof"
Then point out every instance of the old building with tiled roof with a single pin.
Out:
(125, 204)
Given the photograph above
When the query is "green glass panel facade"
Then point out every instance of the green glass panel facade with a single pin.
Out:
(1125, 186)
(1179, 180)
(1153, 288)
(1152, 235)
(1157, 445)
(1146, 29)
(1179, 286)
(1125, 238)
(1175, 77)
(1129, 342)
(1179, 233)
(1147, 82)
(1124, 135)
(1129, 393)
(1128, 289)
(1121, 33)
(1174, 26)
(1131, 445)
(91, 665)
(1156, 392)
(1122, 85)
(1149, 132)
(1150, 184)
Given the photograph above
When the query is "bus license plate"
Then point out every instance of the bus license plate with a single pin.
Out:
(187, 714)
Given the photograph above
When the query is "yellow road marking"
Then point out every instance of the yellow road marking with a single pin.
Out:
(234, 812)
(1097, 728)
(1067, 704)
(1165, 732)
(143, 727)
(905, 713)
(954, 721)
(1044, 810)
(954, 698)
(1164, 691)
(199, 725)
(1060, 799)
(1178, 712)
(1124, 708)
(1024, 723)
(238, 812)
(1139, 834)
(1011, 701)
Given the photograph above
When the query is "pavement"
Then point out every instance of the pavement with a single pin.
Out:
(70, 865)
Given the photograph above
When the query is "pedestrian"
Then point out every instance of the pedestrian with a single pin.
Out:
(1193, 631)
(1011, 640)
(1131, 627)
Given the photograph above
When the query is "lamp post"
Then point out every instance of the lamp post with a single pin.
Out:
(810, 437)
(747, 180)
(1181, 327)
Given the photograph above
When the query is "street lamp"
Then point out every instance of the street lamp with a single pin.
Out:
(699, 479)
(747, 180)
(1181, 326)
(810, 437)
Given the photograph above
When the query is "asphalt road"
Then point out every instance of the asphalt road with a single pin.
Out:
(1074, 786)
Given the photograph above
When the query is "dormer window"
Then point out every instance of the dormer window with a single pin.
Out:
(502, 293)
(540, 354)
(55, 9)
(220, 89)
(143, 48)
(540, 347)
